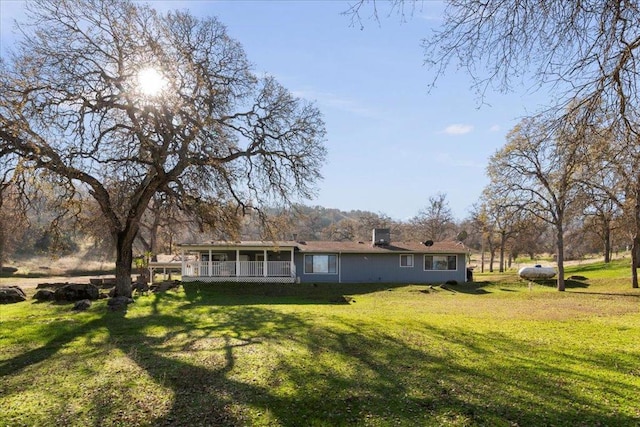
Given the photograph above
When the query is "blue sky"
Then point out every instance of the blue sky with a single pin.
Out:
(392, 143)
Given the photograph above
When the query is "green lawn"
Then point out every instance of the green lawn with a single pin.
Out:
(496, 352)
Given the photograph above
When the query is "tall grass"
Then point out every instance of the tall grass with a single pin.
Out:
(496, 352)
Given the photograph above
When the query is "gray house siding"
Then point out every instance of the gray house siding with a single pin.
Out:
(381, 268)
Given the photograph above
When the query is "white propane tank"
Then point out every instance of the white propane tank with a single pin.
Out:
(537, 272)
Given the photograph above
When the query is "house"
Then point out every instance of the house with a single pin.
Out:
(377, 261)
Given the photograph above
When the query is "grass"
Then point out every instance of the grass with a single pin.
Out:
(496, 352)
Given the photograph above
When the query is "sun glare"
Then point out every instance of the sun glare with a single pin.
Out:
(150, 81)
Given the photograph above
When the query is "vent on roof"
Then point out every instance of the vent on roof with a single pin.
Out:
(381, 237)
(428, 243)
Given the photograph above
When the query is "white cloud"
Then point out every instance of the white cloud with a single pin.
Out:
(458, 129)
(494, 128)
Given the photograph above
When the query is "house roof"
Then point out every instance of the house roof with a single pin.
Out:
(394, 247)
(344, 247)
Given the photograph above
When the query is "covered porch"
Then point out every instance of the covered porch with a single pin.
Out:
(239, 262)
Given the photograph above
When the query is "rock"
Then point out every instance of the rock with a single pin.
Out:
(119, 303)
(140, 287)
(9, 270)
(342, 299)
(165, 286)
(45, 295)
(51, 285)
(96, 282)
(76, 292)
(11, 294)
(82, 305)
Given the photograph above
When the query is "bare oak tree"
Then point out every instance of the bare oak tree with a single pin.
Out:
(121, 102)
(12, 211)
(435, 221)
(540, 168)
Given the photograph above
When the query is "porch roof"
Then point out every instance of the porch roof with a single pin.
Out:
(242, 245)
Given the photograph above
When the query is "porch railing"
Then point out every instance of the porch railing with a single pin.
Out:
(246, 269)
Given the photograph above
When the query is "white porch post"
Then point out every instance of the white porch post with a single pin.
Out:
(292, 267)
(264, 263)
(183, 263)
(237, 262)
(210, 264)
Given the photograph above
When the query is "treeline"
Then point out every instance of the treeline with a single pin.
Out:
(500, 233)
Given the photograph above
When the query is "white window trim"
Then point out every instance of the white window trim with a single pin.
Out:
(445, 255)
(409, 257)
(304, 261)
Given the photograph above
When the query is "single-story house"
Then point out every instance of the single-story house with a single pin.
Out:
(377, 261)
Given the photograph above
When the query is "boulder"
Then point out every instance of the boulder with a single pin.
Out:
(51, 285)
(165, 286)
(45, 295)
(11, 294)
(82, 305)
(9, 270)
(140, 287)
(76, 292)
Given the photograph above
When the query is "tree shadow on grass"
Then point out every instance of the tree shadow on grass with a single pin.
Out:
(471, 288)
(568, 283)
(268, 293)
(344, 372)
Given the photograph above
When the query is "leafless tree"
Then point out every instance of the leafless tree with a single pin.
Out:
(12, 212)
(539, 168)
(74, 101)
(435, 221)
(504, 216)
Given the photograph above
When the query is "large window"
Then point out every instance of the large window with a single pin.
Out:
(406, 260)
(440, 262)
(321, 264)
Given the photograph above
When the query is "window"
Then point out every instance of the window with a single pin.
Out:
(321, 264)
(406, 260)
(440, 262)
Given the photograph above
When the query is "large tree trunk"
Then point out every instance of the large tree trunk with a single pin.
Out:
(634, 261)
(606, 240)
(124, 260)
(492, 258)
(2, 236)
(560, 255)
(636, 237)
(2, 245)
(503, 242)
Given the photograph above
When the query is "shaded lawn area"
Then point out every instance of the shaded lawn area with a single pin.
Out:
(494, 353)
